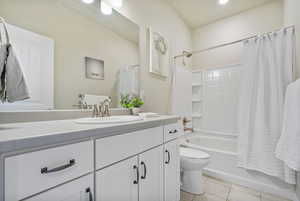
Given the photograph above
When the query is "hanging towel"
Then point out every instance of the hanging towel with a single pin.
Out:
(3, 56)
(288, 145)
(13, 87)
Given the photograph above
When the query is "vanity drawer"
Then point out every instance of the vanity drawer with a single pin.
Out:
(113, 149)
(172, 131)
(31, 173)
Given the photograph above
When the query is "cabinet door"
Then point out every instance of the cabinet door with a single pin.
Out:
(152, 175)
(118, 182)
(172, 171)
(78, 190)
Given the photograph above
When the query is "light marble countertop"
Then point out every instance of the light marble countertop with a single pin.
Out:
(20, 136)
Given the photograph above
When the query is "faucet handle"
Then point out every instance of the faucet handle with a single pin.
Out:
(106, 110)
(95, 110)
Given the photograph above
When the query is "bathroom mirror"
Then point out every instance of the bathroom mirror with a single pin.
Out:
(69, 49)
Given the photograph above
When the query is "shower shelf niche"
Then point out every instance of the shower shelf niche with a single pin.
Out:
(197, 98)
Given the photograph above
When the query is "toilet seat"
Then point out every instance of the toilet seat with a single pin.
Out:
(193, 153)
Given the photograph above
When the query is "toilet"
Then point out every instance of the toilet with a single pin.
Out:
(192, 162)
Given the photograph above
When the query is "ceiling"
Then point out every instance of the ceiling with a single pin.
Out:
(197, 13)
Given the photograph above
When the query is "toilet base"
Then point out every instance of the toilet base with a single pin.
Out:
(192, 182)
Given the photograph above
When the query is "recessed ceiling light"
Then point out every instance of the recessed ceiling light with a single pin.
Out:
(105, 8)
(88, 1)
(223, 2)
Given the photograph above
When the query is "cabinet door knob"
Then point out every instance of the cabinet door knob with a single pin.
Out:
(88, 190)
(57, 169)
(169, 157)
(145, 170)
(136, 181)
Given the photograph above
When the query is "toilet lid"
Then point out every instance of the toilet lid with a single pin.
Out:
(193, 153)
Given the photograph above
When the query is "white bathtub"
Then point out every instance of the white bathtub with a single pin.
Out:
(223, 165)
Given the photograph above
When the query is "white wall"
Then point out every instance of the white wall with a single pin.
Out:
(292, 17)
(162, 18)
(255, 21)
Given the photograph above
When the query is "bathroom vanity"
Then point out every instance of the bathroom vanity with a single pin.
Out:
(62, 160)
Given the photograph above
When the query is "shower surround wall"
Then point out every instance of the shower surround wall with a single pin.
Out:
(221, 66)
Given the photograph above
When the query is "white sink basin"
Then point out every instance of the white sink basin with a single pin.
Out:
(109, 120)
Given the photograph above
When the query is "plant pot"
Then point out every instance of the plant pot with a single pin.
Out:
(135, 110)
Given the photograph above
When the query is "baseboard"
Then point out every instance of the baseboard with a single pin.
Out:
(251, 184)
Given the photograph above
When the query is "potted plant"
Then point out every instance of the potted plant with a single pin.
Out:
(136, 102)
(132, 102)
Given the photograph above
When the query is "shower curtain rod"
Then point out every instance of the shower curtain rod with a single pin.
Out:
(186, 53)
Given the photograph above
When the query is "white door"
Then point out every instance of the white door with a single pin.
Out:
(118, 182)
(172, 171)
(152, 175)
(79, 190)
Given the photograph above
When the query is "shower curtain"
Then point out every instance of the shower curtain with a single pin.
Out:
(268, 63)
(128, 81)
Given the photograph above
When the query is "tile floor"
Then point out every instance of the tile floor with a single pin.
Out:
(216, 190)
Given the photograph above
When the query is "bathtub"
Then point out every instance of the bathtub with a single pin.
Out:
(223, 164)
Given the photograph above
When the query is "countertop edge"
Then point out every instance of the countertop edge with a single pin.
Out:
(57, 139)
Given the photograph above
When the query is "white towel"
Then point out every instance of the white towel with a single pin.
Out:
(288, 145)
(16, 88)
(3, 56)
(13, 86)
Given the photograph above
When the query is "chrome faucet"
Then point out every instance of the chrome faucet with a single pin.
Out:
(102, 110)
(106, 104)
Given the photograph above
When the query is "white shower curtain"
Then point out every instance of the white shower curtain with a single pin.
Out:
(128, 81)
(268, 63)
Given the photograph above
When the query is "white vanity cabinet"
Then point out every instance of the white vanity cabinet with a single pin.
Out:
(142, 165)
(151, 164)
(33, 172)
(117, 182)
(139, 178)
(78, 190)
(172, 171)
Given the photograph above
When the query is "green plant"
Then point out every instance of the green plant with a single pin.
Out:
(137, 102)
(130, 101)
(125, 101)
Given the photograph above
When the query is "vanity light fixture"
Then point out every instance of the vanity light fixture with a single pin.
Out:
(223, 2)
(105, 8)
(88, 1)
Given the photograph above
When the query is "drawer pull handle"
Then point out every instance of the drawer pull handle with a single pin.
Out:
(173, 131)
(63, 167)
(169, 157)
(88, 190)
(145, 170)
(137, 175)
